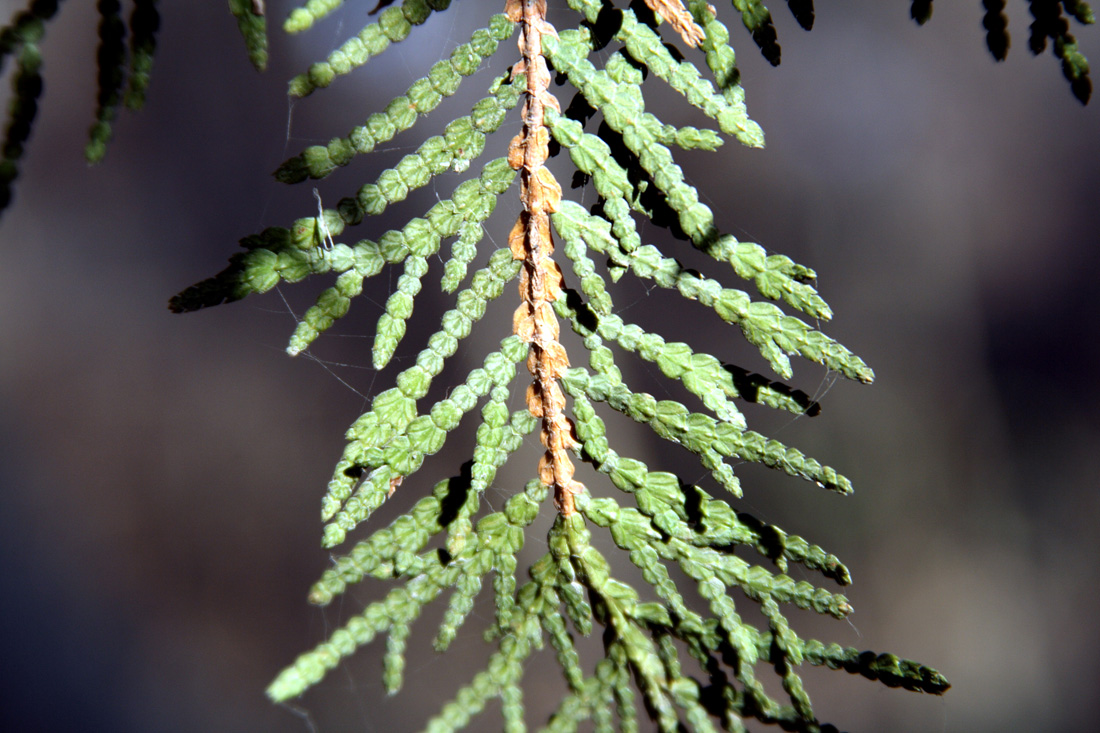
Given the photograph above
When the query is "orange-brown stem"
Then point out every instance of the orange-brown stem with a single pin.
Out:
(531, 241)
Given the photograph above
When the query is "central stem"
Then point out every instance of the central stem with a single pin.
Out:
(531, 242)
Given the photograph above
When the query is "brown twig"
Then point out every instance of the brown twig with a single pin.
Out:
(530, 241)
(676, 15)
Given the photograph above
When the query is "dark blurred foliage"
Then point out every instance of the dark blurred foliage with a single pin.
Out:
(161, 474)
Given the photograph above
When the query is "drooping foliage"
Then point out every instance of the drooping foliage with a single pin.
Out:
(1049, 21)
(679, 648)
(123, 74)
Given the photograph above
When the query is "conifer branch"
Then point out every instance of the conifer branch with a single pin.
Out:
(252, 24)
(111, 62)
(659, 641)
(144, 24)
(392, 26)
(21, 39)
(302, 18)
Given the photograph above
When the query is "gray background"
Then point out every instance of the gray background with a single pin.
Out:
(161, 474)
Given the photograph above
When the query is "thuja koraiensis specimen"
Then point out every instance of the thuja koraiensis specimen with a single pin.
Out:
(677, 661)
(666, 655)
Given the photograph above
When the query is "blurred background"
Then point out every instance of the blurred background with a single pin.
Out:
(160, 475)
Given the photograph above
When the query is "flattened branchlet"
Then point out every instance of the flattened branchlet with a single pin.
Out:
(676, 648)
(654, 639)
